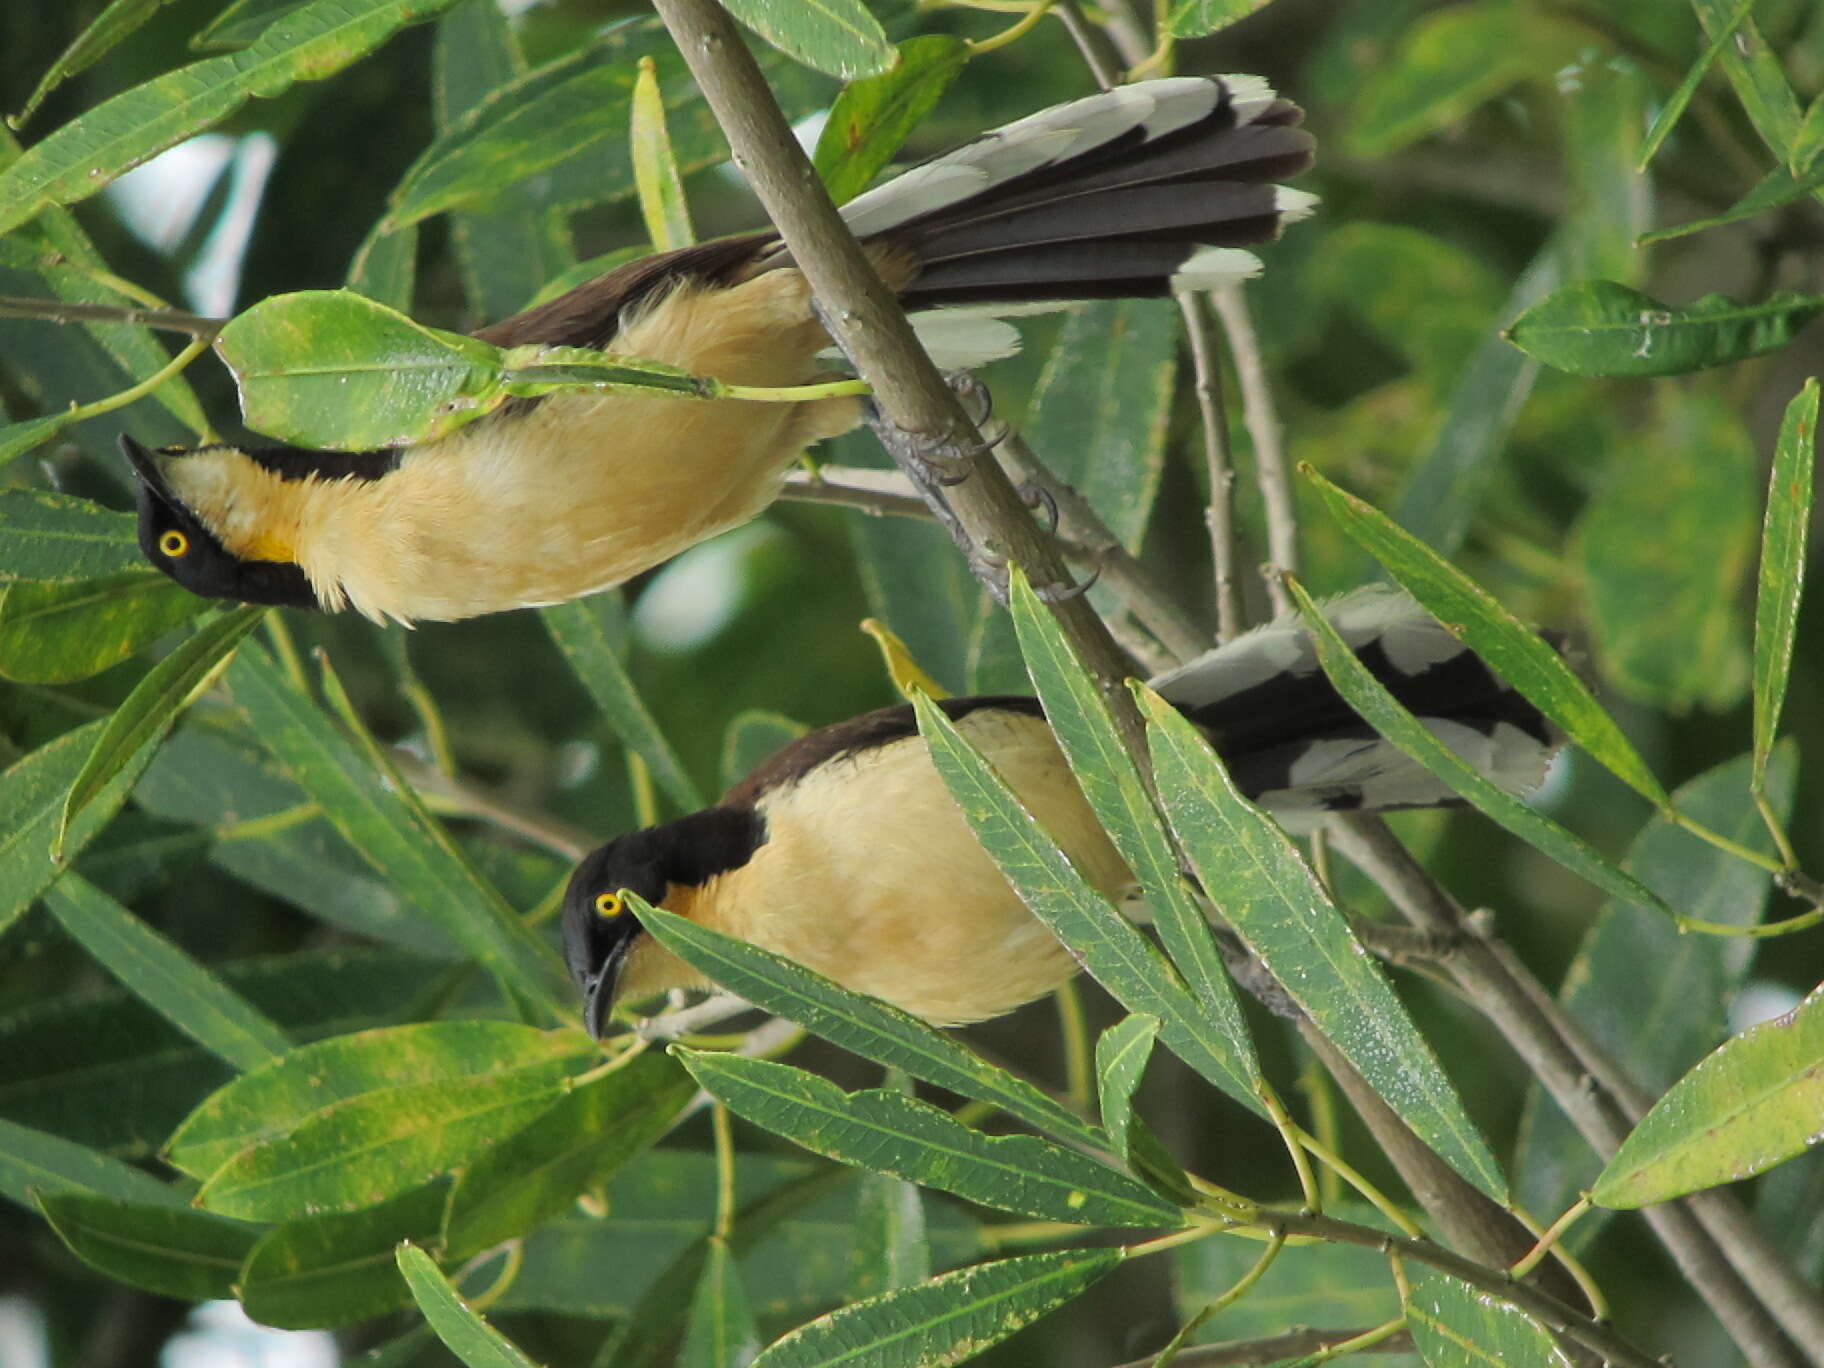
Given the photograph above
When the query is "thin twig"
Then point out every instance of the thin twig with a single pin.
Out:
(1269, 447)
(455, 795)
(1499, 988)
(878, 493)
(1218, 461)
(1088, 42)
(67, 311)
(867, 323)
(1272, 1349)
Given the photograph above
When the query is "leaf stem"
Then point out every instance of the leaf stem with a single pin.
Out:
(193, 349)
(725, 1170)
(1078, 1071)
(1536, 1255)
(1336, 1164)
(1366, 1340)
(1289, 1132)
(1013, 32)
(1218, 1303)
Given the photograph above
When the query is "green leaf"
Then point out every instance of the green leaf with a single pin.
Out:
(385, 268)
(88, 152)
(31, 802)
(1667, 623)
(1107, 944)
(34, 1163)
(380, 818)
(1512, 649)
(50, 536)
(1450, 62)
(1317, 1284)
(1275, 904)
(1783, 542)
(720, 1331)
(573, 1149)
(1777, 188)
(891, 1133)
(1808, 142)
(242, 22)
(1750, 1105)
(1212, 1037)
(180, 989)
(1675, 104)
(871, 1028)
(113, 24)
(946, 1320)
(146, 714)
(17, 439)
(1198, 18)
(1103, 404)
(175, 1252)
(751, 737)
(1121, 1054)
(465, 1334)
(1755, 71)
(1453, 1325)
(271, 1102)
(1643, 991)
(892, 1248)
(366, 1149)
(1378, 707)
(1599, 327)
(335, 369)
(1605, 103)
(655, 166)
(322, 1272)
(838, 37)
(873, 117)
(56, 633)
(585, 630)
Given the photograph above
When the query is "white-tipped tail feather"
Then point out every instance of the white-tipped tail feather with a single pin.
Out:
(1295, 747)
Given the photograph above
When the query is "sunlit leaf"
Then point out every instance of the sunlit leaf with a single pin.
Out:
(53, 633)
(655, 166)
(1783, 542)
(839, 37)
(1599, 327)
(465, 1334)
(872, 117)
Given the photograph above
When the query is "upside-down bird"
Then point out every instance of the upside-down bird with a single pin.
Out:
(845, 853)
(1130, 193)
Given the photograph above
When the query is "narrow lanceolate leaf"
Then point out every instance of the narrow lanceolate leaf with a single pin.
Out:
(1453, 1325)
(169, 1250)
(1776, 607)
(871, 1028)
(50, 536)
(1214, 1039)
(179, 988)
(837, 37)
(1382, 711)
(58, 633)
(1777, 188)
(327, 1271)
(1756, 73)
(148, 712)
(35, 1162)
(464, 1334)
(892, 1248)
(1599, 327)
(1121, 1055)
(380, 1145)
(31, 802)
(655, 167)
(575, 1147)
(1277, 906)
(89, 151)
(395, 834)
(1197, 18)
(874, 116)
(274, 1100)
(947, 1320)
(583, 632)
(1110, 946)
(720, 1331)
(114, 23)
(1512, 649)
(1675, 104)
(1753, 1103)
(16, 439)
(892, 1133)
(1808, 142)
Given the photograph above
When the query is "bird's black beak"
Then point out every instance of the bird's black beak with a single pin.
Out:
(599, 991)
(146, 466)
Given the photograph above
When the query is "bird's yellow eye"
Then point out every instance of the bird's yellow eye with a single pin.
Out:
(174, 544)
(609, 904)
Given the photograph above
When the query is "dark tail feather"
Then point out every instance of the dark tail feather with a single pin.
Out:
(1115, 194)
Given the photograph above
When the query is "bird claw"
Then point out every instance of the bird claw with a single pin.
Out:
(1035, 496)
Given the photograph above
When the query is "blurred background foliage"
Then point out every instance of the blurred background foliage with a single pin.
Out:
(1472, 156)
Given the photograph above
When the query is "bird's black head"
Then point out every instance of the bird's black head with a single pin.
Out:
(599, 928)
(600, 933)
(176, 541)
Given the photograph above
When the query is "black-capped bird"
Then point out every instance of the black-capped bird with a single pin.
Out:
(1123, 194)
(845, 853)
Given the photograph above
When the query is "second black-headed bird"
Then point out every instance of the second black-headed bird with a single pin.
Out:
(1122, 194)
(845, 853)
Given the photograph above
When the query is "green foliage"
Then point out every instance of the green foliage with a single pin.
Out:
(281, 1017)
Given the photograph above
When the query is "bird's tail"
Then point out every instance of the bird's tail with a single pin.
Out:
(1129, 193)
(1293, 745)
